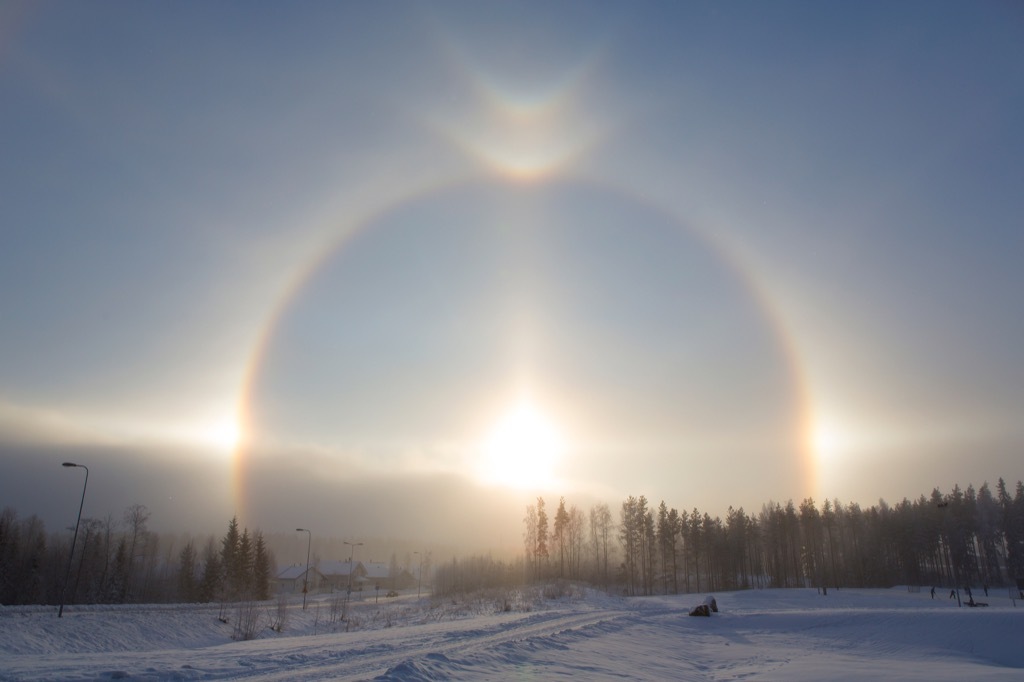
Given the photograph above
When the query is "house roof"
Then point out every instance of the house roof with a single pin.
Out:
(335, 568)
(377, 569)
(294, 572)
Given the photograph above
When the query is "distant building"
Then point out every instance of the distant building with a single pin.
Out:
(292, 579)
(339, 575)
(383, 576)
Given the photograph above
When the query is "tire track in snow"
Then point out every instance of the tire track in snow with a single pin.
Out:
(376, 661)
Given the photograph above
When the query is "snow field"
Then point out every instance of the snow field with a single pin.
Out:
(757, 635)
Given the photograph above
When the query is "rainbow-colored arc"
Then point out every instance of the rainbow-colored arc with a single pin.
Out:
(348, 229)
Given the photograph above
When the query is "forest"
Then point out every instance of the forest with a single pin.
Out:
(966, 537)
(124, 562)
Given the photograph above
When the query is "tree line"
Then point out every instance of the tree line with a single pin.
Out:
(124, 562)
(965, 537)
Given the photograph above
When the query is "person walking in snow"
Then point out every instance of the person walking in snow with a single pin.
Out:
(933, 592)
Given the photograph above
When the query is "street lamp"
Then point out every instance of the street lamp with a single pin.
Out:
(305, 577)
(351, 562)
(71, 555)
(419, 574)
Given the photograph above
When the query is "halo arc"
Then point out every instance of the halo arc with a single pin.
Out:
(729, 258)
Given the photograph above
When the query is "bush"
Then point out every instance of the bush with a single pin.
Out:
(248, 620)
(280, 616)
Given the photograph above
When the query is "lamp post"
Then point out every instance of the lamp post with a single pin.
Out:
(305, 577)
(419, 576)
(351, 562)
(71, 554)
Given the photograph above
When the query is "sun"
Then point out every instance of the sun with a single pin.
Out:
(522, 449)
(224, 435)
(829, 440)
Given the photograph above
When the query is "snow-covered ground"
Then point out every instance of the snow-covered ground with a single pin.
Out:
(757, 635)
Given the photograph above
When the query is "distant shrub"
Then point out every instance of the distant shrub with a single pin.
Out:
(248, 620)
(279, 618)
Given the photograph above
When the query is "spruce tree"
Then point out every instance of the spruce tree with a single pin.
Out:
(261, 568)
(117, 587)
(211, 587)
(188, 583)
(243, 567)
(229, 559)
(10, 551)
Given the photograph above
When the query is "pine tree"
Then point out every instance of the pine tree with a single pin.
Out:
(828, 517)
(649, 546)
(261, 568)
(187, 581)
(118, 584)
(530, 541)
(990, 538)
(1012, 526)
(668, 531)
(10, 550)
(600, 538)
(542, 535)
(630, 536)
(230, 561)
(243, 567)
(559, 536)
(575, 540)
(32, 562)
(813, 542)
(694, 541)
(1017, 530)
(211, 587)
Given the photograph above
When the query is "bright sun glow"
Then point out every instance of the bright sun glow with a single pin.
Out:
(828, 440)
(522, 450)
(224, 435)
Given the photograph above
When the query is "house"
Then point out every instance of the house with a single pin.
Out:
(339, 576)
(404, 580)
(292, 579)
(385, 577)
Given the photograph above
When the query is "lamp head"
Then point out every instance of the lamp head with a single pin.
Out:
(69, 464)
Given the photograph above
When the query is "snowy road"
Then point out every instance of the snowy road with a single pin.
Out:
(393, 653)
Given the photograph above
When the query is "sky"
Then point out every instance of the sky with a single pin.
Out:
(398, 269)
